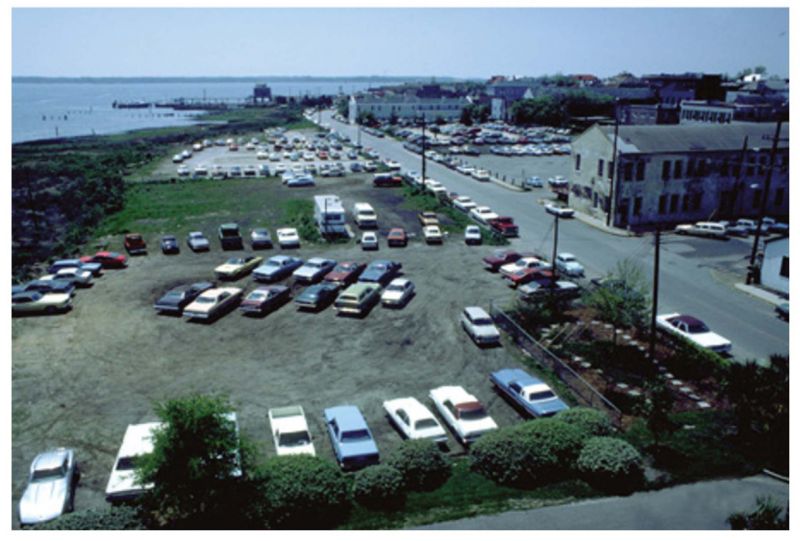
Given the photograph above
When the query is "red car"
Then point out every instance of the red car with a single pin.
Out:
(345, 273)
(264, 299)
(499, 258)
(523, 276)
(135, 244)
(387, 180)
(109, 260)
(397, 237)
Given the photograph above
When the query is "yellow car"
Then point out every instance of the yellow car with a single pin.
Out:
(236, 267)
(32, 302)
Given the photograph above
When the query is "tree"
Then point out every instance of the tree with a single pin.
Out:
(657, 410)
(393, 118)
(195, 466)
(621, 299)
(466, 115)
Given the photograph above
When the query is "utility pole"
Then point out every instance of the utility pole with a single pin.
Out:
(736, 186)
(655, 295)
(423, 152)
(614, 168)
(764, 198)
(359, 133)
(555, 253)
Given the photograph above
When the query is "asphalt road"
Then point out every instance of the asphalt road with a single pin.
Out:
(689, 282)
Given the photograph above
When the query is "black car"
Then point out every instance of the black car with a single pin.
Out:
(169, 245)
(317, 297)
(176, 299)
(380, 271)
(46, 286)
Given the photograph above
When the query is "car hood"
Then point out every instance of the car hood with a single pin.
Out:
(168, 300)
(336, 276)
(228, 267)
(197, 307)
(198, 241)
(477, 426)
(371, 275)
(572, 265)
(548, 407)
(710, 340)
(43, 501)
(485, 330)
(307, 449)
(124, 481)
(307, 271)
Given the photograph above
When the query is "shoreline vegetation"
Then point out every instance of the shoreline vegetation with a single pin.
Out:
(241, 79)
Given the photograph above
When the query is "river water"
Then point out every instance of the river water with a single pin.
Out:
(43, 110)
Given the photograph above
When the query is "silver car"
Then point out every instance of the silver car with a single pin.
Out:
(51, 487)
(197, 241)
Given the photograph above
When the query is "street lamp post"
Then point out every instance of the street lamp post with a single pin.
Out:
(423, 152)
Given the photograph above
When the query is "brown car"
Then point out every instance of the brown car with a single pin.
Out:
(397, 237)
(134, 244)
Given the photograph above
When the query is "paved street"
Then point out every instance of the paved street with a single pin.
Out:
(700, 506)
(688, 281)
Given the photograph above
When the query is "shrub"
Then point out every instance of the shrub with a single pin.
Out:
(423, 466)
(528, 454)
(379, 487)
(611, 464)
(691, 362)
(303, 492)
(113, 518)
(593, 422)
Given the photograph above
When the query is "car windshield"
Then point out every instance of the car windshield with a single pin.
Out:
(294, 438)
(541, 395)
(697, 327)
(235, 261)
(395, 287)
(175, 294)
(482, 321)
(206, 300)
(472, 414)
(425, 423)
(127, 463)
(49, 474)
(257, 296)
(378, 266)
(355, 435)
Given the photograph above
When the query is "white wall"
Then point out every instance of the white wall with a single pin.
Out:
(774, 252)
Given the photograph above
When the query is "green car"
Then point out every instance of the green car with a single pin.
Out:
(358, 299)
(317, 297)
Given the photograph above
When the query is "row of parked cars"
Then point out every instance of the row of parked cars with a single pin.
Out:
(742, 227)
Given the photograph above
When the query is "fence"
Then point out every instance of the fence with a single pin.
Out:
(585, 393)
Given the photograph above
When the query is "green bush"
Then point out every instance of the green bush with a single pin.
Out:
(379, 487)
(113, 518)
(529, 453)
(694, 363)
(593, 422)
(303, 491)
(423, 466)
(611, 464)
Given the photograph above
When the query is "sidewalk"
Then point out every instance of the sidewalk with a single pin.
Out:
(762, 294)
(699, 506)
(601, 225)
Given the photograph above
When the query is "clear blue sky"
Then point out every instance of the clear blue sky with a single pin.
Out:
(445, 42)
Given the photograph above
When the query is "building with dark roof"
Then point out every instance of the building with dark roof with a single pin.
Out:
(681, 173)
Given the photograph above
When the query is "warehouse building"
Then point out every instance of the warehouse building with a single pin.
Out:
(406, 107)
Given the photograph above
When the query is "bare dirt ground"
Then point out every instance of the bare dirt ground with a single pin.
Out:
(81, 378)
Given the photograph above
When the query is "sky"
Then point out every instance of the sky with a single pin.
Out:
(469, 43)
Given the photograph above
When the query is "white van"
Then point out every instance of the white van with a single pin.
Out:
(703, 229)
(365, 216)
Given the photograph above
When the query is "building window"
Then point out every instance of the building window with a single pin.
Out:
(757, 198)
(723, 170)
(750, 168)
(697, 200)
(577, 162)
(611, 170)
(685, 207)
(666, 166)
(785, 266)
(599, 168)
(594, 202)
(637, 206)
(779, 197)
(640, 170)
(690, 168)
(662, 204)
(737, 170)
(701, 167)
(628, 170)
(678, 169)
(673, 203)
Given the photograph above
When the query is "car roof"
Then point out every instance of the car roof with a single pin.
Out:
(566, 255)
(415, 409)
(472, 405)
(689, 320)
(138, 439)
(348, 417)
(50, 459)
(399, 281)
(476, 311)
(359, 287)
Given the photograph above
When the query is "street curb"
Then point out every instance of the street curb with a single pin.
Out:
(774, 475)
(604, 229)
(506, 185)
(766, 297)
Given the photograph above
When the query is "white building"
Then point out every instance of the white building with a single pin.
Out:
(406, 107)
(775, 266)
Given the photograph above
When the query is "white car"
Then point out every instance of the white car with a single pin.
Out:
(479, 325)
(177, 158)
(463, 412)
(290, 431)
(288, 237)
(465, 169)
(557, 210)
(197, 241)
(472, 235)
(434, 186)
(122, 483)
(524, 263)
(369, 240)
(201, 170)
(561, 287)
(414, 420)
(482, 215)
(568, 264)
(313, 270)
(481, 174)
(74, 275)
(398, 292)
(693, 330)
(51, 487)
(703, 229)
(432, 234)
(262, 155)
(392, 165)
(464, 203)
(183, 171)
(213, 302)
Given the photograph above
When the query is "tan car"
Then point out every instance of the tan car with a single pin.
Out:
(33, 302)
(236, 267)
(358, 299)
(428, 218)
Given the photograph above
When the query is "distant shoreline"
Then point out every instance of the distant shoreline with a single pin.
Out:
(248, 79)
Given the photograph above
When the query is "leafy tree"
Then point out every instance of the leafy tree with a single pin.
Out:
(393, 118)
(366, 118)
(768, 515)
(657, 410)
(466, 115)
(621, 299)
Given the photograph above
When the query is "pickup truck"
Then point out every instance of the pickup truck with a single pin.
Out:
(134, 244)
(229, 237)
(290, 431)
(504, 225)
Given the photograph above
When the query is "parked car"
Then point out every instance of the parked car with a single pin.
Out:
(380, 271)
(265, 299)
(566, 263)
(479, 326)
(317, 296)
(109, 260)
(752, 225)
(499, 258)
(414, 420)
(65, 287)
(288, 237)
(532, 394)
(352, 441)
(369, 240)
(290, 431)
(300, 181)
(397, 237)
(134, 244)
(472, 235)
(524, 263)
(176, 299)
(74, 275)
(428, 218)
(775, 226)
(703, 229)
(95, 268)
(464, 203)
(482, 215)
(169, 245)
(533, 182)
(432, 234)
(345, 273)
(462, 412)
(386, 180)
(52, 480)
(505, 226)
(314, 270)
(694, 330)
(544, 285)
(782, 310)
(122, 483)
(197, 242)
(260, 238)
(358, 299)
(238, 266)
(735, 230)
(398, 292)
(558, 210)
(229, 237)
(34, 302)
(526, 275)
(277, 268)
(213, 303)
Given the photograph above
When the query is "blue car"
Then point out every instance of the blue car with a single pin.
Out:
(534, 395)
(94, 268)
(351, 438)
(380, 271)
(277, 268)
(317, 297)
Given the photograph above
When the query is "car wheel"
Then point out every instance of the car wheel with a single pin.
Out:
(50, 310)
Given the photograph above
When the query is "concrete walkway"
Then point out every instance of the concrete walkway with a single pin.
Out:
(762, 294)
(699, 506)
